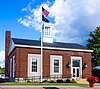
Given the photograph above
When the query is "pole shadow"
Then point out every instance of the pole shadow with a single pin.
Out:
(50, 88)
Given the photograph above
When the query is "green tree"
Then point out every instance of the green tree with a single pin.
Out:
(94, 44)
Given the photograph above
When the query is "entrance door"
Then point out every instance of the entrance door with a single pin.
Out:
(76, 67)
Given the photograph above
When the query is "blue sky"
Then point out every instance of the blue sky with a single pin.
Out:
(73, 20)
(10, 12)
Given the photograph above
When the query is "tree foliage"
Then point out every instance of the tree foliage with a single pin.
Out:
(94, 44)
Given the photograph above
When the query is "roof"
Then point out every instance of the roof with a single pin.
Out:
(55, 44)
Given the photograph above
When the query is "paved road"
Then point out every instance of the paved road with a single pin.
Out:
(36, 87)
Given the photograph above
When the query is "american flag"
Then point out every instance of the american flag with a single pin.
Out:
(45, 12)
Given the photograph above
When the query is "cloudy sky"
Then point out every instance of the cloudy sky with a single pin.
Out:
(73, 20)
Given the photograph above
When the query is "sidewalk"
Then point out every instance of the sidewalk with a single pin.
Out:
(46, 87)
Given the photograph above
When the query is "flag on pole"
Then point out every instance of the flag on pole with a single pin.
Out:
(45, 19)
(44, 15)
(45, 12)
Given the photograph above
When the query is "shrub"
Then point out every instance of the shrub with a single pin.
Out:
(51, 81)
(60, 81)
(45, 81)
(96, 73)
(67, 81)
(28, 81)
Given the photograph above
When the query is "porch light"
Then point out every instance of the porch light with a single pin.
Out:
(85, 65)
(68, 65)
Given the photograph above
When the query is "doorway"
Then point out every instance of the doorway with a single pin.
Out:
(76, 67)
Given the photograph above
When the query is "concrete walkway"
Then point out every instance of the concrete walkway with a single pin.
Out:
(46, 87)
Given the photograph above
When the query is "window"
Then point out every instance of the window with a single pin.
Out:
(76, 63)
(56, 66)
(34, 65)
(47, 30)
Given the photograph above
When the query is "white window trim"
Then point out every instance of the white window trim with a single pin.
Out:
(79, 58)
(52, 58)
(30, 73)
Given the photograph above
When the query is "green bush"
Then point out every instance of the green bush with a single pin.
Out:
(51, 81)
(28, 81)
(96, 73)
(59, 81)
(67, 81)
(2, 80)
(45, 81)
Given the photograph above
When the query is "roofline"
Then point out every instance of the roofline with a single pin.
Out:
(69, 49)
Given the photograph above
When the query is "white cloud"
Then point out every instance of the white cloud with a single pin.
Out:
(2, 58)
(74, 19)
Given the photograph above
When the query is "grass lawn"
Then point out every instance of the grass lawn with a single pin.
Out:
(42, 84)
(2, 70)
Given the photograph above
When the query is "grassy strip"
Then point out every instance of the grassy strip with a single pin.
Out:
(42, 84)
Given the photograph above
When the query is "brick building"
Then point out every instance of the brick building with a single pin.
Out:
(22, 57)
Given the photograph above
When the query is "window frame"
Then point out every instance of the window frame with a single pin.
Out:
(52, 58)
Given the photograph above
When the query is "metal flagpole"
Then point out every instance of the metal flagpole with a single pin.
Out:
(41, 53)
(41, 50)
(46, 14)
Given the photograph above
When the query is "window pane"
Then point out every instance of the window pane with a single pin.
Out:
(56, 69)
(76, 63)
(56, 66)
(34, 65)
(47, 30)
(56, 62)
(77, 72)
(73, 70)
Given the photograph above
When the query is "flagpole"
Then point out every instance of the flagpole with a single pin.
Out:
(44, 12)
(41, 70)
(41, 52)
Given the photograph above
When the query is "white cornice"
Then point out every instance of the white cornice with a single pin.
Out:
(67, 49)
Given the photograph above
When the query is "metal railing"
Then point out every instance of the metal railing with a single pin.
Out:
(37, 78)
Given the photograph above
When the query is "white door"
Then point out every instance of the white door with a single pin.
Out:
(76, 67)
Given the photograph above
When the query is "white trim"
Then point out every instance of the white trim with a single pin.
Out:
(14, 66)
(77, 58)
(10, 67)
(30, 56)
(83, 50)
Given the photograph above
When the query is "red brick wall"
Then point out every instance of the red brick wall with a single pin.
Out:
(87, 59)
(22, 61)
